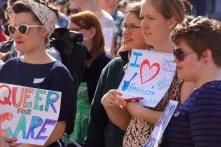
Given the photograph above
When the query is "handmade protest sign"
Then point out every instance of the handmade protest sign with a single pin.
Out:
(148, 77)
(28, 114)
(154, 139)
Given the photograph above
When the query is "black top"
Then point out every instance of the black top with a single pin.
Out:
(92, 73)
(51, 76)
(196, 122)
(101, 132)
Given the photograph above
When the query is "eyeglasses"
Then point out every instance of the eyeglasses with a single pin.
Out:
(129, 26)
(22, 29)
(180, 55)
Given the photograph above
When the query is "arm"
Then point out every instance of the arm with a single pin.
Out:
(57, 133)
(113, 105)
(138, 111)
(8, 142)
(98, 118)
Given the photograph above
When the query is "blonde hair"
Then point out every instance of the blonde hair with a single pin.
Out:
(169, 8)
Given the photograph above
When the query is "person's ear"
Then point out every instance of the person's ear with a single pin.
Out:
(207, 56)
(44, 32)
(171, 23)
(93, 32)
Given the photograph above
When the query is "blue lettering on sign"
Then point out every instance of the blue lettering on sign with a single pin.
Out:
(137, 55)
(140, 89)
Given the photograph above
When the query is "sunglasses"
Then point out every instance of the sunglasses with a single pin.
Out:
(22, 29)
(180, 55)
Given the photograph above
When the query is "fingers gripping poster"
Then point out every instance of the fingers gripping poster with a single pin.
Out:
(28, 114)
(148, 76)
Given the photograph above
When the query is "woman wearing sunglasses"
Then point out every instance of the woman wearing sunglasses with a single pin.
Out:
(31, 25)
(197, 121)
(159, 17)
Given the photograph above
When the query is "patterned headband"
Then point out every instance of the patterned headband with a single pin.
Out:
(46, 16)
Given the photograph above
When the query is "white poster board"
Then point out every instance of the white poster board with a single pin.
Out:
(148, 76)
(155, 138)
(28, 114)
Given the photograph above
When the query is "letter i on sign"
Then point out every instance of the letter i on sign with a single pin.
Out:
(134, 63)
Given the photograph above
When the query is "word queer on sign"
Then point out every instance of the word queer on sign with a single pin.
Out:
(28, 114)
(148, 76)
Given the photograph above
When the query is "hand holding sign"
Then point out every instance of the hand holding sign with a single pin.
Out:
(28, 114)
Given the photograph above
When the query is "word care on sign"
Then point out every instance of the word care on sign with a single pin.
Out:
(28, 114)
(148, 77)
(155, 138)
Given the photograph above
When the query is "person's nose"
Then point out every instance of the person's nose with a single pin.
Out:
(144, 24)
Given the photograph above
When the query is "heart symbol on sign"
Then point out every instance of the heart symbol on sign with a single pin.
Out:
(148, 72)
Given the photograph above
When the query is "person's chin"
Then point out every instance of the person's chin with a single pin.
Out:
(20, 48)
(184, 77)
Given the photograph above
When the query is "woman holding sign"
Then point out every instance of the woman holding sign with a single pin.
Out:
(101, 132)
(31, 25)
(159, 17)
(196, 122)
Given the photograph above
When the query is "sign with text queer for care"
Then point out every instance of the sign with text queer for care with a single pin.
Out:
(148, 76)
(28, 114)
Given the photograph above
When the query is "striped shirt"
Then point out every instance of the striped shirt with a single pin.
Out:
(197, 122)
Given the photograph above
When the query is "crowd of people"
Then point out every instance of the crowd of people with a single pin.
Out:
(93, 113)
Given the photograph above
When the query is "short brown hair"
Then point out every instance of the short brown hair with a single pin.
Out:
(170, 8)
(200, 33)
(134, 7)
(86, 20)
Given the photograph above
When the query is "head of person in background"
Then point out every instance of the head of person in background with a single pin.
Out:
(122, 4)
(159, 17)
(31, 25)
(132, 35)
(108, 5)
(81, 5)
(131, 26)
(87, 23)
(198, 48)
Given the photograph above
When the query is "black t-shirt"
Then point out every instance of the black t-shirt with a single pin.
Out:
(50, 76)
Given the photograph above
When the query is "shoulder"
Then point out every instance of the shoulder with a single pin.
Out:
(119, 15)
(115, 63)
(210, 90)
(104, 57)
(114, 67)
(58, 68)
(10, 63)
